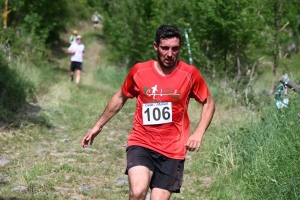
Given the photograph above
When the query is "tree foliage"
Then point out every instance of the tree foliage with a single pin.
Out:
(229, 35)
(227, 38)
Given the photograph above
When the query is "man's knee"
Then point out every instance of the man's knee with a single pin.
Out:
(138, 193)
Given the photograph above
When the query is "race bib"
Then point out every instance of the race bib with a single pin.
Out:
(157, 113)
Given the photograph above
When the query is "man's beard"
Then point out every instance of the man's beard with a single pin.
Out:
(166, 66)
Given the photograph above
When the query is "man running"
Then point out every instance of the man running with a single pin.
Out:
(73, 37)
(160, 136)
(96, 19)
(77, 51)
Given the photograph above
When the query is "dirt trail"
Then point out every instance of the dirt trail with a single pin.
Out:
(61, 91)
(54, 156)
(91, 61)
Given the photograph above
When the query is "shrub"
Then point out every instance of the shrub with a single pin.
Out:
(14, 89)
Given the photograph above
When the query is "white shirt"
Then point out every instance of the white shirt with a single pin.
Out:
(96, 17)
(79, 50)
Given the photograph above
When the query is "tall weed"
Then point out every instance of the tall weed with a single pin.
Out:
(262, 159)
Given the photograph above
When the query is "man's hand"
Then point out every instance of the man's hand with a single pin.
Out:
(194, 142)
(89, 137)
(71, 52)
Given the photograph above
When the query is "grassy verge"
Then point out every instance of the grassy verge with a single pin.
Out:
(263, 157)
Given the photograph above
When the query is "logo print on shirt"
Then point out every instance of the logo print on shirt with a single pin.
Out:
(156, 92)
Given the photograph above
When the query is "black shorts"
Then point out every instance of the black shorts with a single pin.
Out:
(75, 65)
(167, 172)
(96, 22)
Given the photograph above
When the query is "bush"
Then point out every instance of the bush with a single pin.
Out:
(264, 161)
(14, 89)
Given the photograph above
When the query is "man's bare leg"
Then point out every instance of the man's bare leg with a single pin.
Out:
(78, 73)
(139, 179)
(71, 76)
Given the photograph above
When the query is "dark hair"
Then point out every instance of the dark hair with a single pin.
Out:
(167, 32)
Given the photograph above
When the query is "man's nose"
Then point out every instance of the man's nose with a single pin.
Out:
(169, 54)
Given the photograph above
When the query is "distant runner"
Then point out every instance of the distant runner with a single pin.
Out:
(96, 19)
(77, 51)
(73, 37)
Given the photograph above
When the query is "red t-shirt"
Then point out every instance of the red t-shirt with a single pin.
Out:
(148, 86)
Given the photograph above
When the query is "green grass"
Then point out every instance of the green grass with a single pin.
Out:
(260, 160)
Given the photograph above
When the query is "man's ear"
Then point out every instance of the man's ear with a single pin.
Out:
(155, 46)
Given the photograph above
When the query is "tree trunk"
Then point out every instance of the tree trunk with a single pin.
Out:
(238, 62)
(207, 56)
(277, 21)
(290, 84)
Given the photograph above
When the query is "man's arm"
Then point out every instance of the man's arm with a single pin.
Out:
(70, 50)
(114, 105)
(208, 110)
(83, 51)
